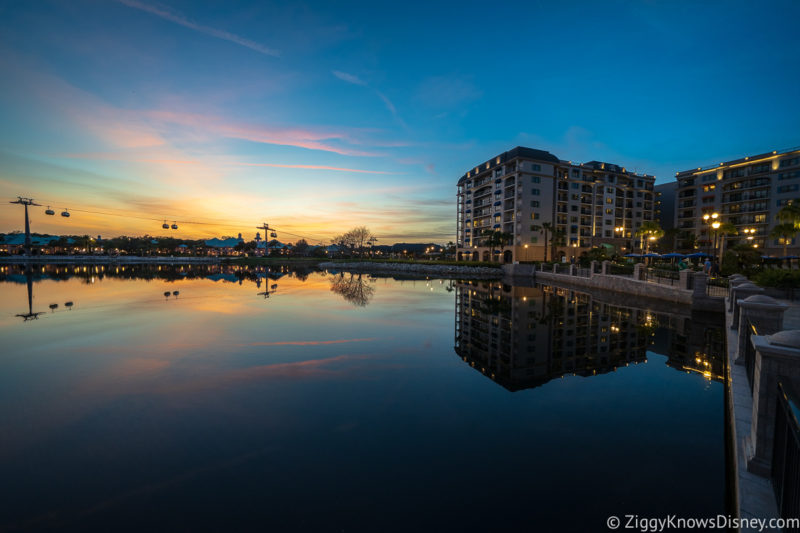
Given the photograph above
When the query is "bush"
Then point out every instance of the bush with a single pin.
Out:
(781, 279)
(730, 263)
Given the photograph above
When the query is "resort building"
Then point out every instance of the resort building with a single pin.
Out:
(531, 195)
(665, 204)
(746, 192)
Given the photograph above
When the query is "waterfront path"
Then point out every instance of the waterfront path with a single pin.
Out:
(756, 498)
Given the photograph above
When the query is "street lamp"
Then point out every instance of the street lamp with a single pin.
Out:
(711, 218)
(716, 226)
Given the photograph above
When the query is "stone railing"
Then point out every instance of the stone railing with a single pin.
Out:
(771, 357)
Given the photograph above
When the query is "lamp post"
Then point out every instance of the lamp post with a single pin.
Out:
(711, 219)
(716, 224)
(750, 234)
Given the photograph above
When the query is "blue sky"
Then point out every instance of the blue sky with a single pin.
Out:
(320, 117)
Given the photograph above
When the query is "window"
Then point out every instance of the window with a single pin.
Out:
(707, 188)
(608, 233)
(535, 179)
(610, 190)
(576, 185)
(711, 177)
(535, 192)
(534, 216)
(609, 211)
(789, 162)
(789, 188)
(573, 208)
(534, 203)
(609, 200)
(534, 240)
(639, 194)
(759, 219)
(536, 168)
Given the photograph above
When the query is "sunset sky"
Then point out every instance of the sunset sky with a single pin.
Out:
(317, 117)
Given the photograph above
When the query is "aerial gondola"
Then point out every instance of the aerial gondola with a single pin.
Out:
(165, 225)
(175, 225)
(49, 211)
(273, 234)
(65, 213)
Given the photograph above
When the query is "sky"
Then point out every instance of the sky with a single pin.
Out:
(319, 117)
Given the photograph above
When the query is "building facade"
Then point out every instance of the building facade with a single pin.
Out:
(532, 195)
(665, 204)
(746, 192)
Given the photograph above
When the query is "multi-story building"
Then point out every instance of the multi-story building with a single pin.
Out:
(665, 204)
(532, 195)
(746, 192)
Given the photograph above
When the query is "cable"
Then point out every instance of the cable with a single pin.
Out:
(158, 219)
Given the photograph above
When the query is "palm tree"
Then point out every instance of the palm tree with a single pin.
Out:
(497, 238)
(650, 230)
(559, 238)
(544, 228)
(790, 212)
(725, 229)
(785, 232)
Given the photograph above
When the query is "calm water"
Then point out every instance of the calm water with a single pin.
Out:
(220, 400)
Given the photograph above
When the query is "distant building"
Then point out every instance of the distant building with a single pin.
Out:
(746, 192)
(664, 207)
(517, 192)
(223, 246)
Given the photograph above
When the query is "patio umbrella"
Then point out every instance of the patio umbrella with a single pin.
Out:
(651, 254)
(789, 257)
(698, 254)
(632, 255)
(674, 255)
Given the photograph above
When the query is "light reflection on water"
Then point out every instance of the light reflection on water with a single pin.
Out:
(336, 401)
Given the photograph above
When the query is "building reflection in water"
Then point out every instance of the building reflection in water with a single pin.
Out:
(523, 337)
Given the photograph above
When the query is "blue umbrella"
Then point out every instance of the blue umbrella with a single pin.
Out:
(632, 255)
(673, 254)
(698, 254)
(651, 254)
(789, 257)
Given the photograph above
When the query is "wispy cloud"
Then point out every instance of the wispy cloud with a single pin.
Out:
(355, 80)
(314, 167)
(310, 138)
(349, 78)
(173, 16)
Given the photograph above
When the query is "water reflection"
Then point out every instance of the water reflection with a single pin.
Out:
(356, 288)
(523, 337)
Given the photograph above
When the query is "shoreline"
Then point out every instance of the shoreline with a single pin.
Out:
(415, 268)
(105, 259)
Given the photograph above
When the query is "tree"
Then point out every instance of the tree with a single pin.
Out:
(545, 228)
(725, 229)
(649, 230)
(355, 239)
(786, 232)
(790, 213)
(497, 239)
(558, 238)
(300, 247)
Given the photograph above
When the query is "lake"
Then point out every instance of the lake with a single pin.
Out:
(228, 399)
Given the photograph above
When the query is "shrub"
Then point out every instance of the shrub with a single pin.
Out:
(730, 263)
(781, 279)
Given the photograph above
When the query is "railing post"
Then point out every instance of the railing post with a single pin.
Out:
(738, 295)
(592, 268)
(777, 356)
(638, 271)
(555, 268)
(573, 270)
(732, 284)
(685, 279)
(699, 282)
(605, 268)
(765, 313)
